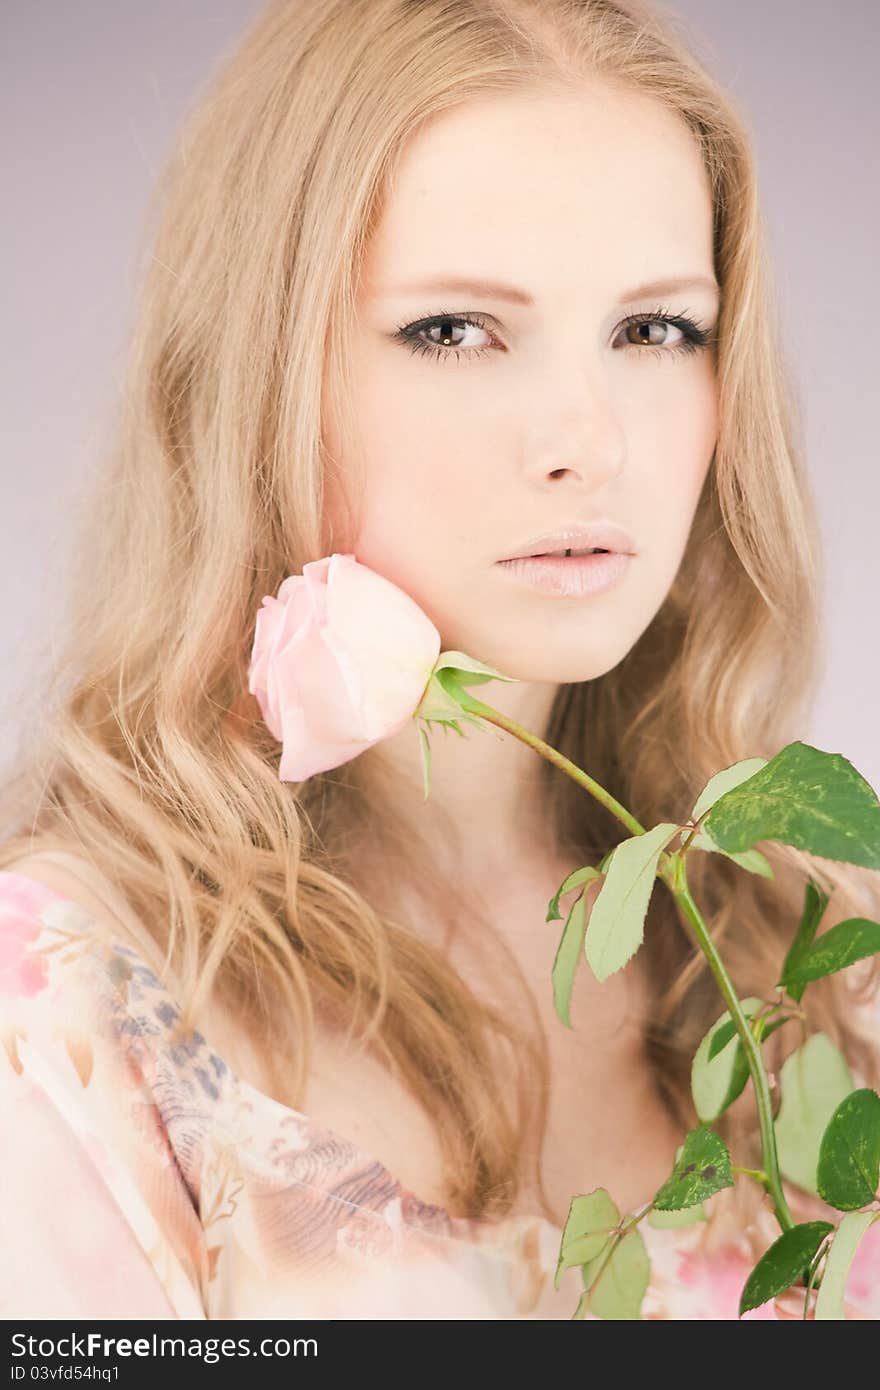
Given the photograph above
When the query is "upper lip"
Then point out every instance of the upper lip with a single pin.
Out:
(604, 535)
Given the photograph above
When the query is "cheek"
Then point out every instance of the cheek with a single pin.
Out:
(669, 454)
(674, 431)
(421, 459)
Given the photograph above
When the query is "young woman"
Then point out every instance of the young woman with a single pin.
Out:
(436, 286)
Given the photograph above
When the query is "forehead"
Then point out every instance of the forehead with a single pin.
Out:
(560, 192)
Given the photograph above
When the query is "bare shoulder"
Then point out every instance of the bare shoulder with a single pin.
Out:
(77, 879)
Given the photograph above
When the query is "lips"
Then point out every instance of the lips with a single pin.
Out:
(577, 537)
(574, 576)
(562, 554)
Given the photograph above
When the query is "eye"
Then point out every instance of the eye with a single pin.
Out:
(651, 333)
(459, 335)
(447, 335)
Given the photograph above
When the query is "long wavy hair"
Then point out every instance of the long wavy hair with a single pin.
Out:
(145, 754)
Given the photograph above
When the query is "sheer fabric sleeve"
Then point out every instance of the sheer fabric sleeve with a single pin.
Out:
(96, 1217)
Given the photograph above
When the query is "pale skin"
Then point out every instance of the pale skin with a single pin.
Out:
(575, 200)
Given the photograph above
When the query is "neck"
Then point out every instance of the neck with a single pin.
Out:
(483, 814)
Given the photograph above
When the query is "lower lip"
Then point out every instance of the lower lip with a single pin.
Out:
(568, 576)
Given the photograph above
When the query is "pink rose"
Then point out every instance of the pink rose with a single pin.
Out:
(341, 659)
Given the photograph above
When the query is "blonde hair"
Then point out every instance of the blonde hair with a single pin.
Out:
(151, 759)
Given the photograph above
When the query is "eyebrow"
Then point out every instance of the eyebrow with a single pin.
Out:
(497, 289)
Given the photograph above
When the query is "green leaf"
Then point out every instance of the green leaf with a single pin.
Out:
(591, 1219)
(814, 1079)
(467, 668)
(751, 859)
(787, 1261)
(716, 1083)
(615, 1291)
(805, 797)
(574, 880)
(720, 1038)
(739, 1074)
(701, 1169)
(840, 946)
(687, 1216)
(830, 1302)
(849, 1155)
(568, 956)
(728, 1031)
(724, 781)
(617, 921)
(815, 902)
(438, 706)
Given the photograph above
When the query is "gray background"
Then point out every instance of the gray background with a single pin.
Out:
(91, 95)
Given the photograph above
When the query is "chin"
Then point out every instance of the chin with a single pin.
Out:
(568, 670)
(556, 663)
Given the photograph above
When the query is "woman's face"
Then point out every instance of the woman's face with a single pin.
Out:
(545, 410)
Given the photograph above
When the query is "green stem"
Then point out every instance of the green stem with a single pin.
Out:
(493, 716)
(757, 1173)
(625, 1225)
(686, 844)
(672, 870)
(750, 1044)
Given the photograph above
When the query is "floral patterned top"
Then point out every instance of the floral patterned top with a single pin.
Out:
(141, 1178)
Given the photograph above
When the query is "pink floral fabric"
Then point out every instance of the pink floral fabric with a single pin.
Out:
(141, 1178)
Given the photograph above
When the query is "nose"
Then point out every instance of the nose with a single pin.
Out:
(578, 439)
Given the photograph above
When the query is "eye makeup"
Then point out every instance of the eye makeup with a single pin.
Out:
(695, 335)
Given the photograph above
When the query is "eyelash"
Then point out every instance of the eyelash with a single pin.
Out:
(697, 336)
